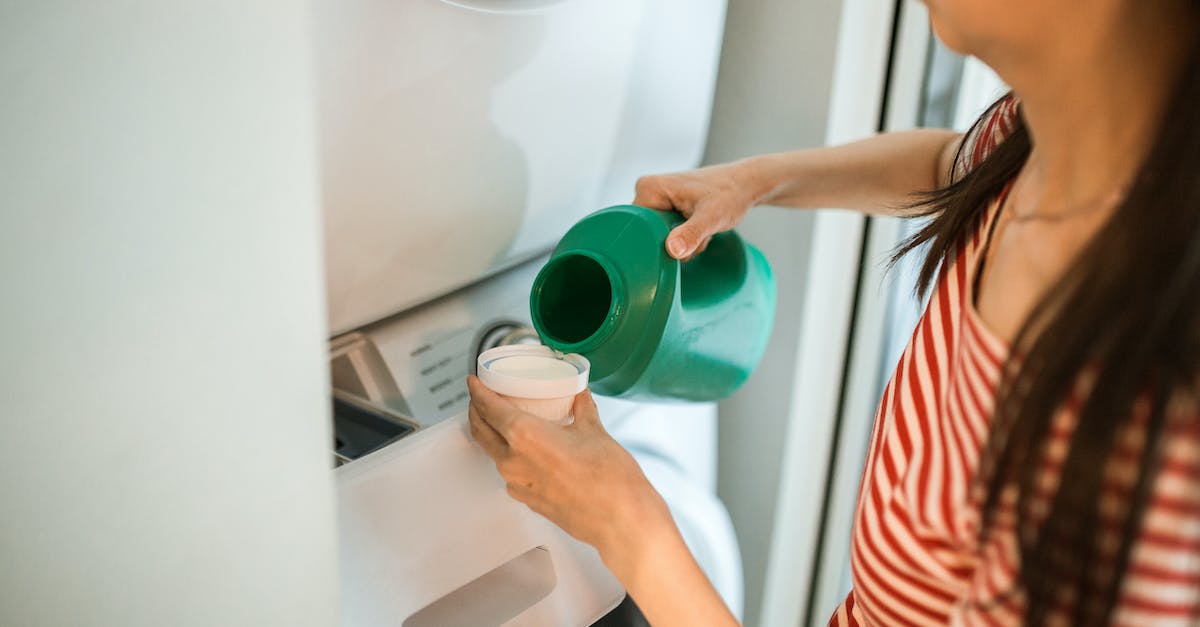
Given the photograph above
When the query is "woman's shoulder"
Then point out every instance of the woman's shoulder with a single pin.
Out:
(988, 132)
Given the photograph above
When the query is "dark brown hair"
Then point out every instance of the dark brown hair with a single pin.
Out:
(1127, 311)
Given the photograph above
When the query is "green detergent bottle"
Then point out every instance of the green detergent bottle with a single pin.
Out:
(654, 328)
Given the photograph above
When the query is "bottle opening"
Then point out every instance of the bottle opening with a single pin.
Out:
(574, 298)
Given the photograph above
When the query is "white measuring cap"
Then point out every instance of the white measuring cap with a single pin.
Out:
(537, 372)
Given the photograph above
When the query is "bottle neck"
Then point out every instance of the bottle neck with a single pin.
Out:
(577, 301)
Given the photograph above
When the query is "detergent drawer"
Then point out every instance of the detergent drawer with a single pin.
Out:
(360, 428)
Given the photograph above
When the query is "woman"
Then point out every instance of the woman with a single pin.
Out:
(1036, 456)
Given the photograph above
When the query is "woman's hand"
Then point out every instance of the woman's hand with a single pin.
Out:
(713, 199)
(581, 479)
(877, 175)
(575, 475)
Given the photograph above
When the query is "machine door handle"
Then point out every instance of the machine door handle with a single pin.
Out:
(504, 6)
(494, 597)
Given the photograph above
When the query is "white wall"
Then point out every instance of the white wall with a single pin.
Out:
(162, 459)
(793, 75)
(772, 94)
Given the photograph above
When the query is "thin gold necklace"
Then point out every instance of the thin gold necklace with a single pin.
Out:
(1111, 201)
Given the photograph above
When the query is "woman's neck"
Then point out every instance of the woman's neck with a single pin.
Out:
(1093, 103)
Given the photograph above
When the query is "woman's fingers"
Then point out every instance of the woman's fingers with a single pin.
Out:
(577, 477)
(650, 192)
(491, 407)
(486, 436)
(692, 236)
(712, 199)
(518, 429)
(699, 249)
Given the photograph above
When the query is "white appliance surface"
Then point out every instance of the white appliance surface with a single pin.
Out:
(428, 514)
(456, 142)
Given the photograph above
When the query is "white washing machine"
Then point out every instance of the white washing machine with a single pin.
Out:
(428, 534)
(459, 141)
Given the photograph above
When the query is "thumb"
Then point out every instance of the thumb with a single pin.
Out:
(584, 409)
(685, 238)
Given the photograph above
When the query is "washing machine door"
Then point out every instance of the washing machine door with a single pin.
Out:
(458, 139)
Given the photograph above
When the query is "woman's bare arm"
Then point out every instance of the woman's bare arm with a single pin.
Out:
(670, 589)
(877, 175)
(581, 479)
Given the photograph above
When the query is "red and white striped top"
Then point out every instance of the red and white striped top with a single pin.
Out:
(915, 554)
